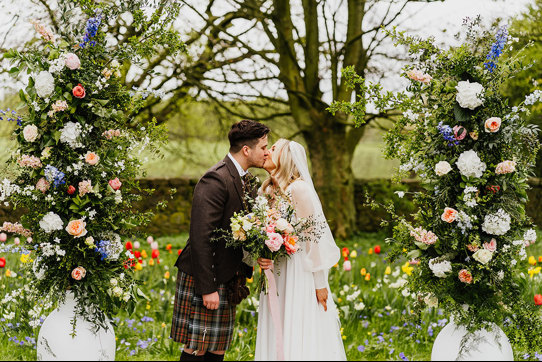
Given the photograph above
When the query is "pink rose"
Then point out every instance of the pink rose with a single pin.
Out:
(274, 242)
(85, 187)
(150, 239)
(115, 185)
(270, 228)
(3, 237)
(491, 246)
(460, 133)
(449, 215)
(72, 61)
(16, 241)
(493, 124)
(43, 185)
(91, 158)
(79, 273)
(418, 75)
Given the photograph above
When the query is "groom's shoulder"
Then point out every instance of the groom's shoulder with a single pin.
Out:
(218, 171)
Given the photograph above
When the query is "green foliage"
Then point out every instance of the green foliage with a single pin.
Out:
(79, 108)
(440, 126)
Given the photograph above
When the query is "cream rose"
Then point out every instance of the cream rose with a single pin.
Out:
(442, 168)
(43, 185)
(505, 167)
(30, 133)
(76, 228)
(72, 61)
(44, 84)
(493, 124)
(468, 94)
(284, 226)
(483, 256)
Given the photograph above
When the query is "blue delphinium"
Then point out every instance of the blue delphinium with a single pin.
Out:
(496, 48)
(10, 116)
(448, 133)
(103, 249)
(92, 29)
(53, 175)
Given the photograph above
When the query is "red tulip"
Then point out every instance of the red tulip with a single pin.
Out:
(129, 245)
(137, 254)
(155, 254)
(179, 251)
(71, 190)
(377, 249)
(2, 262)
(538, 299)
(345, 252)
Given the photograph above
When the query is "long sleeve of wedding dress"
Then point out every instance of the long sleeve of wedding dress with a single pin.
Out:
(321, 251)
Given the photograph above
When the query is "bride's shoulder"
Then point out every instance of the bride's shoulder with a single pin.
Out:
(298, 185)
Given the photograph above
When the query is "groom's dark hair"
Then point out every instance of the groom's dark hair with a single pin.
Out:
(246, 132)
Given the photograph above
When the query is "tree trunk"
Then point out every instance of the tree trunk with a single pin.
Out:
(331, 149)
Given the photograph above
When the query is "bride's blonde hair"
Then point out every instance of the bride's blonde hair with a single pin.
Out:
(286, 171)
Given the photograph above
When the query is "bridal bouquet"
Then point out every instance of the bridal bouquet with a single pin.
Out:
(474, 154)
(267, 232)
(75, 165)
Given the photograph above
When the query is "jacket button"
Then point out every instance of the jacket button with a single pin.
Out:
(214, 279)
(212, 266)
(213, 254)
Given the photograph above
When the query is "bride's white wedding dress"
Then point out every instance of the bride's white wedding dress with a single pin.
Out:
(309, 332)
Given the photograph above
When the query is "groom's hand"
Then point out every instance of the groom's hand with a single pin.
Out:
(265, 263)
(211, 301)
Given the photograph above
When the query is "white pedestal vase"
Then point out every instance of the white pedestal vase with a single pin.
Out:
(55, 342)
(480, 346)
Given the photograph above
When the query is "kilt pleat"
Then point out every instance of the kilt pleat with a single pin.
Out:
(197, 327)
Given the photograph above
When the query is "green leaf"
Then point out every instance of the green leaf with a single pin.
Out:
(461, 114)
(141, 294)
(103, 102)
(56, 136)
(14, 71)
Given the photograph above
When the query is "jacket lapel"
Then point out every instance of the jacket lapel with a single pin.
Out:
(236, 179)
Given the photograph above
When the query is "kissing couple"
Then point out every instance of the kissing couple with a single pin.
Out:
(212, 277)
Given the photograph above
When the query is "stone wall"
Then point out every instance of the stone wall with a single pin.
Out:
(176, 217)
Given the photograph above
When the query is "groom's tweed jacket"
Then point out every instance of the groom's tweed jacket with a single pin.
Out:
(217, 196)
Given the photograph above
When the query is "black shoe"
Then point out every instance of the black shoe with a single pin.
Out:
(209, 356)
(191, 357)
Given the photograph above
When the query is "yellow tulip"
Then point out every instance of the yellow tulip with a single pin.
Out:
(388, 270)
(534, 271)
(148, 306)
(532, 260)
(250, 280)
(151, 262)
(368, 277)
(370, 251)
(25, 258)
(163, 325)
(167, 275)
(407, 269)
(138, 266)
(144, 254)
(363, 271)
(8, 273)
(353, 254)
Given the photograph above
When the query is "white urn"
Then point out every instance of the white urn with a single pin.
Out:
(482, 345)
(55, 342)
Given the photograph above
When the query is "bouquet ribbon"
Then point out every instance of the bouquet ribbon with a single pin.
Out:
(275, 313)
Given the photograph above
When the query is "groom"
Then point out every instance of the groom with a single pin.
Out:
(202, 317)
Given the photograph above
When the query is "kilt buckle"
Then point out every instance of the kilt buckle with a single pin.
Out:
(204, 333)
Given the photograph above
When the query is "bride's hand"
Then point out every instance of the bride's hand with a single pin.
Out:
(265, 263)
(321, 296)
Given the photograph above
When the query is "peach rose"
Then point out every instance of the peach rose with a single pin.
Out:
(115, 184)
(465, 276)
(505, 167)
(78, 91)
(85, 187)
(91, 158)
(76, 228)
(449, 215)
(291, 244)
(79, 273)
(43, 185)
(493, 124)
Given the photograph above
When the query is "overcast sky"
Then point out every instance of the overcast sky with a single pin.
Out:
(427, 20)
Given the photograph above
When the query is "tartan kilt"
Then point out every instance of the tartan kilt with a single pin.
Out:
(197, 327)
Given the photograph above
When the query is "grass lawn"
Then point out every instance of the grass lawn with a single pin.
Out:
(372, 309)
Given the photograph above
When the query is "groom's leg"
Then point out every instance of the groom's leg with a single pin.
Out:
(188, 355)
(215, 356)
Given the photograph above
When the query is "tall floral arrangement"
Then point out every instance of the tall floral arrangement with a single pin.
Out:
(474, 154)
(78, 150)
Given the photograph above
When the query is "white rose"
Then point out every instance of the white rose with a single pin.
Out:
(44, 84)
(468, 94)
(442, 168)
(247, 225)
(30, 133)
(117, 292)
(530, 236)
(483, 256)
(431, 301)
(51, 222)
(470, 165)
(284, 225)
(497, 224)
(440, 268)
(114, 282)
(70, 133)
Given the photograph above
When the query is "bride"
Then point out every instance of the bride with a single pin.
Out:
(308, 318)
